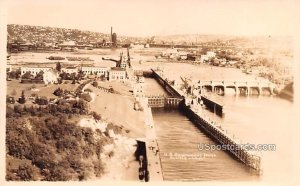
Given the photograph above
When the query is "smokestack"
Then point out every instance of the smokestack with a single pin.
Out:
(111, 33)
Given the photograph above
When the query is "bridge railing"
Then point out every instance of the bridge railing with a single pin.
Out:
(236, 83)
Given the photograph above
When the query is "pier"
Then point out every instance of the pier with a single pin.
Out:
(167, 87)
(212, 105)
(220, 137)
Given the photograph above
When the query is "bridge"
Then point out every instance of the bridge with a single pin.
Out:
(244, 87)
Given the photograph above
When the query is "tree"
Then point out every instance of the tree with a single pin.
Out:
(96, 116)
(64, 76)
(73, 81)
(40, 76)
(58, 92)
(22, 99)
(87, 97)
(102, 77)
(80, 75)
(95, 84)
(58, 67)
(41, 101)
(25, 172)
(27, 75)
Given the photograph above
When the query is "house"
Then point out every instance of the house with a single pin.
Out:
(34, 70)
(99, 71)
(51, 76)
(70, 70)
(210, 54)
(117, 73)
(140, 79)
(203, 58)
(170, 53)
(193, 57)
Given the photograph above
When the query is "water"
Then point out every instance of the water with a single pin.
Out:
(253, 119)
(177, 135)
(153, 88)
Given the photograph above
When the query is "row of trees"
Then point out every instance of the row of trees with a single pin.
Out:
(15, 74)
(62, 106)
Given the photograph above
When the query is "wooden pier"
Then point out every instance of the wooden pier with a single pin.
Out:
(221, 138)
(212, 105)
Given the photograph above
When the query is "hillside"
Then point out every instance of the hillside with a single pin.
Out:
(42, 146)
(40, 34)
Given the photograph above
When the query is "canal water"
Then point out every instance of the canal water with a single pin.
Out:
(254, 120)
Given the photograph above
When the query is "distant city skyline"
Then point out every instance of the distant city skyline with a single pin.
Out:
(154, 18)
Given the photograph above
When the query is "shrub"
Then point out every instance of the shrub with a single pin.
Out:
(87, 97)
(95, 84)
(98, 168)
(22, 99)
(25, 172)
(41, 101)
(96, 116)
(58, 92)
(88, 90)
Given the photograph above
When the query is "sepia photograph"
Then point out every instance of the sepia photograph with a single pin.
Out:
(158, 91)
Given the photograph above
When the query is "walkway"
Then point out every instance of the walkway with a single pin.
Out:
(153, 154)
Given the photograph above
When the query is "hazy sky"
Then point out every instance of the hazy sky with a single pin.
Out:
(159, 17)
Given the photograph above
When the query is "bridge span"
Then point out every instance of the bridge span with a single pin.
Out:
(242, 87)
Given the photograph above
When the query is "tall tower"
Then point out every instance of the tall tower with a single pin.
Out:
(114, 40)
(111, 33)
(113, 37)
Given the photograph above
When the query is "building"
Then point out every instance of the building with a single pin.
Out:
(113, 38)
(203, 58)
(123, 64)
(210, 54)
(138, 89)
(34, 70)
(140, 79)
(193, 57)
(117, 73)
(170, 53)
(50, 77)
(70, 70)
(99, 71)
